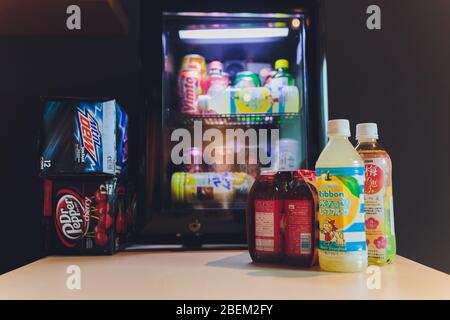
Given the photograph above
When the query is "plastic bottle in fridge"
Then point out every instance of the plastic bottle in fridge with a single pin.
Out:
(281, 78)
(217, 81)
(251, 100)
(207, 188)
(340, 184)
(282, 68)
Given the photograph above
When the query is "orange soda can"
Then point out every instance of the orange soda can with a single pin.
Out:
(194, 59)
(189, 85)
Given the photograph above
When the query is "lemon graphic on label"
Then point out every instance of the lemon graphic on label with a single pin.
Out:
(254, 100)
(341, 194)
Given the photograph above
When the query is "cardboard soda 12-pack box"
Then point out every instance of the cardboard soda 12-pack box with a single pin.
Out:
(88, 215)
(83, 137)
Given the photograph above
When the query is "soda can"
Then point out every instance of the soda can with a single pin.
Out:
(246, 79)
(189, 83)
(196, 60)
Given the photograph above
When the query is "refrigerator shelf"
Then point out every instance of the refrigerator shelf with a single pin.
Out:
(240, 119)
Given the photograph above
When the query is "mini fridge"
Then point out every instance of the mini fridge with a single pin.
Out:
(217, 110)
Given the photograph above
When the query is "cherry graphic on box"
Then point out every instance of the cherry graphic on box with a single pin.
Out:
(81, 215)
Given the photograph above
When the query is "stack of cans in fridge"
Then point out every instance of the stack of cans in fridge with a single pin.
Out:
(89, 200)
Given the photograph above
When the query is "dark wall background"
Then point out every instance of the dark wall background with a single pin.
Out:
(52, 65)
(397, 77)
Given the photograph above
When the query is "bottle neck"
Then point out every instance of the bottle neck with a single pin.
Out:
(367, 140)
(368, 144)
(337, 137)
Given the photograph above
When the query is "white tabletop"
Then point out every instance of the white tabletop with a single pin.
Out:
(213, 275)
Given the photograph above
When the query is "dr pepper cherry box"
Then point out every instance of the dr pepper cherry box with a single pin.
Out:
(88, 215)
(80, 136)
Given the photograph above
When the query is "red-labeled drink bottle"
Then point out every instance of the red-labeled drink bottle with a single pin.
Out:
(265, 219)
(300, 245)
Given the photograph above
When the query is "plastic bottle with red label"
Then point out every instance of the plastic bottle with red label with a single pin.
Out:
(265, 219)
(282, 218)
(300, 222)
(217, 80)
(378, 196)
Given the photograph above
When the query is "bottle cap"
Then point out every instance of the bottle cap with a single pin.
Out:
(281, 63)
(339, 127)
(366, 131)
(216, 65)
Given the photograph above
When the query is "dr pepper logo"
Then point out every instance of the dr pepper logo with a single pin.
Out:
(71, 217)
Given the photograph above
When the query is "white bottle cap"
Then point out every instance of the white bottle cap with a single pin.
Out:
(339, 127)
(366, 131)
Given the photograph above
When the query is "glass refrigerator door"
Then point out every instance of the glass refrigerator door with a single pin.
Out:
(234, 103)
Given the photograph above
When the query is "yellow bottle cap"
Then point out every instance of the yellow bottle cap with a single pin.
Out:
(281, 63)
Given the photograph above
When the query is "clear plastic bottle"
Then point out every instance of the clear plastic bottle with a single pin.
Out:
(281, 79)
(216, 81)
(378, 200)
(340, 184)
(282, 67)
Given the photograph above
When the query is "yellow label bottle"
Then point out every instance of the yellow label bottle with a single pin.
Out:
(378, 201)
(251, 100)
(340, 185)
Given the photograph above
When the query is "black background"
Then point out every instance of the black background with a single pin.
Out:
(397, 76)
(50, 66)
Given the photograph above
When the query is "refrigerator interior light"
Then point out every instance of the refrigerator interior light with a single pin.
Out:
(296, 14)
(237, 33)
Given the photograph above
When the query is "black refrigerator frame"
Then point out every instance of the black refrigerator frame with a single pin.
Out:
(150, 112)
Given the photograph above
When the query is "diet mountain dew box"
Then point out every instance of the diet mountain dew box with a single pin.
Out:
(83, 136)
